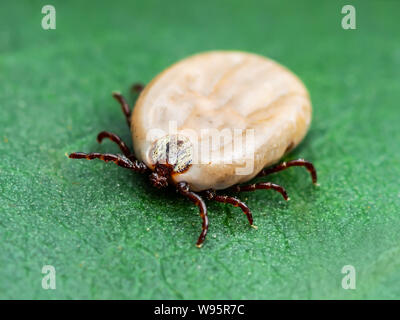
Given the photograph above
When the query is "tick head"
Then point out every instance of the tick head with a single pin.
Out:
(171, 155)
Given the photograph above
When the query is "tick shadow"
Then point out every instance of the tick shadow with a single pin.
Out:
(306, 147)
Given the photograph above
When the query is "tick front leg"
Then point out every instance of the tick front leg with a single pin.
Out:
(211, 195)
(119, 160)
(184, 189)
(293, 163)
(261, 185)
(113, 137)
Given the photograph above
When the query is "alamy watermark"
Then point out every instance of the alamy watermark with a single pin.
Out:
(49, 278)
(349, 280)
(349, 20)
(49, 19)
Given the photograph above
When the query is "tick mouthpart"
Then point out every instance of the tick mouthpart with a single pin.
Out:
(158, 181)
(159, 178)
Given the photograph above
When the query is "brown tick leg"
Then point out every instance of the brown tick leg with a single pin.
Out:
(211, 195)
(183, 188)
(125, 107)
(137, 88)
(119, 160)
(113, 137)
(261, 185)
(294, 163)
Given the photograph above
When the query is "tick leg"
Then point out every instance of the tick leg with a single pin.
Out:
(137, 88)
(113, 137)
(261, 185)
(184, 189)
(119, 160)
(211, 195)
(293, 163)
(124, 105)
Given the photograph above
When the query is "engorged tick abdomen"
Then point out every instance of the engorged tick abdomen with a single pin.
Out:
(248, 99)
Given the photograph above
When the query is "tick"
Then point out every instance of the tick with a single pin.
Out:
(233, 115)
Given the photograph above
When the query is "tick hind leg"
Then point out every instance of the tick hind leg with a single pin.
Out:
(136, 88)
(211, 195)
(184, 189)
(124, 106)
(293, 163)
(261, 185)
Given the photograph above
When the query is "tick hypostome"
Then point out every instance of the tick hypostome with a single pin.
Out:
(258, 108)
